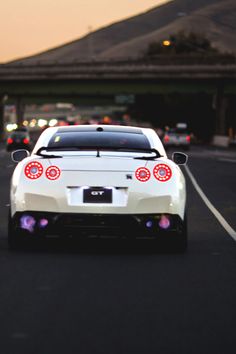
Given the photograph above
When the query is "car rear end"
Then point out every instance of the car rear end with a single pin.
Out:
(97, 193)
(18, 140)
(177, 138)
(106, 194)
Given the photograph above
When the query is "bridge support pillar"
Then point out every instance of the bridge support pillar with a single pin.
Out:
(1, 118)
(20, 110)
(221, 105)
(221, 108)
(3, 99)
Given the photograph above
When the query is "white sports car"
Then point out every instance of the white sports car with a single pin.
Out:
(98, 181)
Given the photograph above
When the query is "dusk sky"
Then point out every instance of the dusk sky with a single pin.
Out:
(31, 26)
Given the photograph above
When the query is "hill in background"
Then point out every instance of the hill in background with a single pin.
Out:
(216, 19)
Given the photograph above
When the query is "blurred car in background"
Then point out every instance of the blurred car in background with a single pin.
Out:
(177, 137)
(19, 139)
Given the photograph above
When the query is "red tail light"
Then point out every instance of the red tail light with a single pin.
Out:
(53, 172)
(142, 174)
(26, 141)
(9, 140)
(188, 138)
(162, 172)
(33, 170)
(166, 138)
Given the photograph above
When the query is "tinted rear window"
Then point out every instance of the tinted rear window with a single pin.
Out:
(100, 139)
(18, 135)
(177, 131)
(181, 131)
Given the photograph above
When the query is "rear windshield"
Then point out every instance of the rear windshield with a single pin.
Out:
(181, 131)
(99, 139)
(178, 131)
(18, 135)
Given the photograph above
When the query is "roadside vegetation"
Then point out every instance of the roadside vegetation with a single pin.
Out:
(186, 44)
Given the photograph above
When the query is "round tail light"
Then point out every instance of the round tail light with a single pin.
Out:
(162, 172)
(142, 174)
(33, 170)
(53, 172)
(26, 141)
(166, 139)
(10, 141)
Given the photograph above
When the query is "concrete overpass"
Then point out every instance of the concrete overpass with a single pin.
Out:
(99, 82)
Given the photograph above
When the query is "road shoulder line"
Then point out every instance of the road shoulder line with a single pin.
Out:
(210, 206)
(227, 160)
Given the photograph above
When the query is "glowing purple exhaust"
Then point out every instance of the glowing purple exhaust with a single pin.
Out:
(43, 223)
(149, 224)
(164, 222)
(27, 222)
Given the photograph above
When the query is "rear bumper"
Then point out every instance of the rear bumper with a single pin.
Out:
(15, 146)
(47, 224)
(177, 144)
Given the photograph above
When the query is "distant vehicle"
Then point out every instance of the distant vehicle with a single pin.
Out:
(18, 139)
(66, 120)
(99, 181)
(177, 137)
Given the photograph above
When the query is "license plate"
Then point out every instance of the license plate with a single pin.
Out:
(97, 195)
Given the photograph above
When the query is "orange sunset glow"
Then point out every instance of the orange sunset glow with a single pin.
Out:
(31, 26)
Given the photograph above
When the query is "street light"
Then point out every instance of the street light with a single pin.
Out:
(166, 43)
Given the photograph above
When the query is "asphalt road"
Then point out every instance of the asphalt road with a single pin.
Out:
(123, 302)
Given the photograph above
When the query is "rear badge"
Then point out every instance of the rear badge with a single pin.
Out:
(129, 177)
(97, 195)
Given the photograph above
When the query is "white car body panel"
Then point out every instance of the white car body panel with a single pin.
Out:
(65, 194)
(111, 170)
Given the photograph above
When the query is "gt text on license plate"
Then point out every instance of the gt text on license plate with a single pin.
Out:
(97, 195)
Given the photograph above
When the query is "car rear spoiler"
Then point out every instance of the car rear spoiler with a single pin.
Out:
(98, 149)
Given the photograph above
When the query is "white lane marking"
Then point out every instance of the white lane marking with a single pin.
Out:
(214, 211)
(227, 160)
